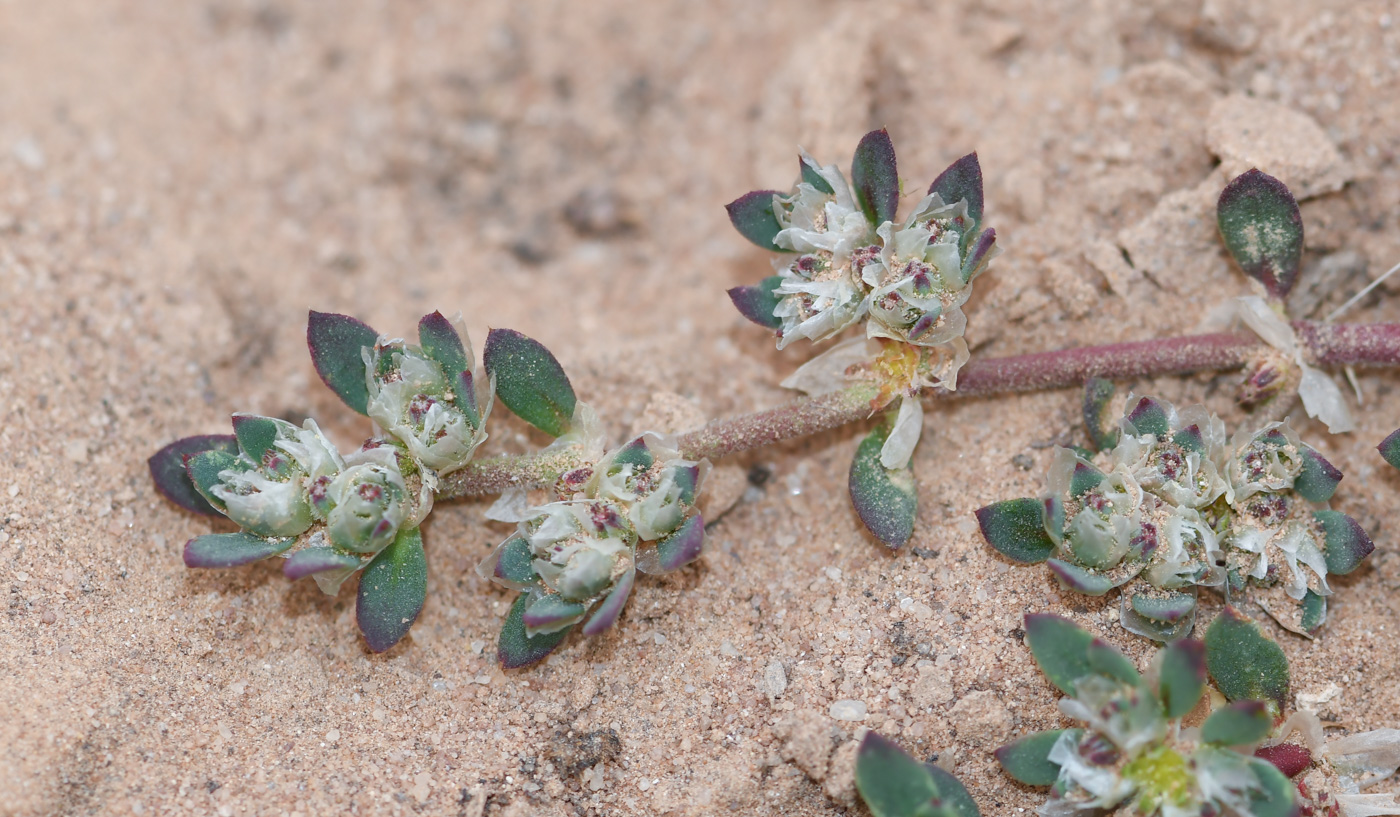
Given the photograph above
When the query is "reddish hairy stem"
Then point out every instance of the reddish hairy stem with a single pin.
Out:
(1326, 344)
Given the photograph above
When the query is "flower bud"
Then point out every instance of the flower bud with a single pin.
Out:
(432, 412)
(266, 491)
(366, 505)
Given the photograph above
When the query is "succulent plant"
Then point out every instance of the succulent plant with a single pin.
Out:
(1172, 506)
(894, 784)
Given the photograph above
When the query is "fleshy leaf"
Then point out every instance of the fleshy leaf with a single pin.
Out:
(962, 180)
(440, 342)
(515, 649)
(1245, 663)
(255, 434)
(1170, 608)
(1314, 612)
(635, 453)
(1098, 393)
(1084, 479)
(1289, 758)
(1106, 660)
(530, 381)
(894, 784)
(1347, 542)
(977, 256)
(1149, 417)
(515, 562)
(392, 590)
(752, 215)
(1181, 676)
(1318, 479)
(1263, 230)
(232, 549)
(1191, 439)
(1238, 724)
(875, 177)
(758, 302)
(335, 342)
(1016, 528)
(311, 560)
(680, 547)
(1028, 760)
(811, 176)
(173, 480)
(1276, 795)
(885, 499)
(606, 615)
(1061, 649)
(203, 470)
(1162, 631)
(1390, 448)
(548, 614)
(1073, 577)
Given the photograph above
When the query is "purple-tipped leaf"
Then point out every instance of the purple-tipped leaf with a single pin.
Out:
(256, 435)
(548, 614)
(515, 563)
(894, 784)
(1182, 676)
(977, 255)
(1245, 663)
(1017, 529)
(679, 548)
(172, 479)
(392, 590)
(466, 398)
(1149, 417)
(1390, 449)
(1318, 479)
(758, 302)
(1347, 542)
(1170, 608)
(1155, 629)
(1263, 230)
(875, 177)
(440, 342)
(1060, 649)
(215, 550)
(885, 499)
(1073, 577)
(312, 560)
(335, 342)
(1106, 660)
(636, 453)
(203, 470)
(1238, 724)
(1103, 432)
(1084, 478)
(1027, 760)
(515, 648)
(1191, 439)
(962, 180)
(606, 615)
(530, 381)
(752, 215)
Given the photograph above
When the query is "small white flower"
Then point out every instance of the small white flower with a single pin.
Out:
(1322, 399)
(416, 404)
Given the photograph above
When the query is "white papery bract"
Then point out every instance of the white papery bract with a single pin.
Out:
(269, 497)
(411, 398)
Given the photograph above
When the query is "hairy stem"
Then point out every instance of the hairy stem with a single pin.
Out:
(1326, 344)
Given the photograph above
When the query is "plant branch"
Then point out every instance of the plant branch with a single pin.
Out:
(1326, 344)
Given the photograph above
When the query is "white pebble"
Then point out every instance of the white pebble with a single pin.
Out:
(848, 710)
(774, 679)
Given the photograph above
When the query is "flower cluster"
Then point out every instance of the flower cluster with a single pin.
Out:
(1174, 506)
(634, 509)
(847, 260)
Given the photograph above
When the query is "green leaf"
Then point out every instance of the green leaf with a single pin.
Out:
(172, 478)
(636, 454)
(678, 548)
(335, 342)
(255, 434)
(1182, 676)
(515, 563)
(1061, 649)
(441, 343)
(1073, 577)
(1107, 661)
(875, 177)
(1103, 432)
(550, 613)
(392, 590)
(758, 302)
(1314, 612)
(606, 615)
(1263, 230)
(530, 381)
(203, 469)
(1276, 796)
(1084, 479)
(312, 560)
(1170, 608)
(1390, 448)
(514, 648)
(894, 784)
(1149, 417)
(962, 180)
(1016, 528)
(812, 176)
(1245, 663)
(1239, 724)
(886, 500)
(1318, 479)
(1347, 542)
(1028, 760)
(752, 215)
(214, 550)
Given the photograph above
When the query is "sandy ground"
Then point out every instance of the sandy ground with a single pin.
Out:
(180, 182)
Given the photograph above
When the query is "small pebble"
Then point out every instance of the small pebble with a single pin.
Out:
(774, 679)
(848, 710)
